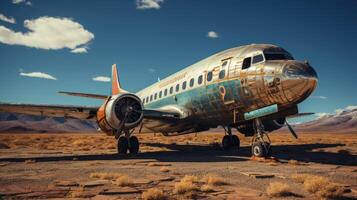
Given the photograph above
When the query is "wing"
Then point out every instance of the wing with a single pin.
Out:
(160, 115)
(78, 112)
(95, 96)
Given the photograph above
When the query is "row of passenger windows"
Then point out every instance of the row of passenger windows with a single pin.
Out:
(247, 62)
(164, 93)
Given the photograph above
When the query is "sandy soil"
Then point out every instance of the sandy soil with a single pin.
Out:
(60, 166)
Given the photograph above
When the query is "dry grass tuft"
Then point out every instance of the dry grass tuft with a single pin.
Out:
(278, 189)
(189, 178)
(154, 194)
(106, 175)
(80, 193)
(184, 187)
(123, 180)
(213, 179)
(30, 161)
(320, 186)
(152, 164)
(293, 162)
(206, 188)
(164, 169)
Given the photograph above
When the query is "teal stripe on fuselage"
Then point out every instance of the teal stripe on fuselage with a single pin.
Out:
(206, 100)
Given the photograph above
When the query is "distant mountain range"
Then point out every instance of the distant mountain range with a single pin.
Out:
(343, 121)
(11, 122)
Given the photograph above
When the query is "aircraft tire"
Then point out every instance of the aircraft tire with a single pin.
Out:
(134, 145)
(226, 143)
(122, 145)
(236, 142)
(258, 150)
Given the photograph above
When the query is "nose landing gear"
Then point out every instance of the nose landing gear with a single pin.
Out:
(230, 142)
(260, 147)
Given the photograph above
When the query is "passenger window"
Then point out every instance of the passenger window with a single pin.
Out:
(155, 96)
(224, 63)
(209, 76)
(150, 97)
(246, 63)
(200, 80)
(171, 90)
(177, 87)
(184, 85)
(192, 81)
(147, 99)
(257, 59)
(165, 93)
(222, 74)
(160, 94)
(143, 100)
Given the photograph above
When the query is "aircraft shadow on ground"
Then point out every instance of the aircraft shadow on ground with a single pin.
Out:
(205, 153)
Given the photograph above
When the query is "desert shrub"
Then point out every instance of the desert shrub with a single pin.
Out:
(189, 178)
(183, 187)
(206, 188)
(154, 194)
(320, 186)
(212, 179)
(278, 189)
(124, 180)
(105, 175)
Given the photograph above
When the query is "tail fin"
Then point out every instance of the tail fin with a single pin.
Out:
(115, 82)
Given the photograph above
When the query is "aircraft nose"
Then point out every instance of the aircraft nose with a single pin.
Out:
(298, 81)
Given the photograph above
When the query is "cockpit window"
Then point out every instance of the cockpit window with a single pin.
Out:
(257, 59)
(246, 63)
(277, 56)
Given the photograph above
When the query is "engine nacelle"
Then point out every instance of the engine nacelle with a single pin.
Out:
(269, 125)
(127, 107)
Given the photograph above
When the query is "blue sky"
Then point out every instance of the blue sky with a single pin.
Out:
(156, 38)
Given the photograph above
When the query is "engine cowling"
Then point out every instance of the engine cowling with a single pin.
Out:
(125, 107)
(269, 125)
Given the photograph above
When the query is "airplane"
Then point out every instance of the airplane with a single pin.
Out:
(252, 88)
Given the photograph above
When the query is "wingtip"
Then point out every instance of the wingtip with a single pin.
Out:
(115, 80)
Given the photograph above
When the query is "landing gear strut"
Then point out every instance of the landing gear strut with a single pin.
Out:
(260, 147)
(128, 142)
(230, 142)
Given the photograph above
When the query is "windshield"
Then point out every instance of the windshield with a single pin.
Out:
(277, 56)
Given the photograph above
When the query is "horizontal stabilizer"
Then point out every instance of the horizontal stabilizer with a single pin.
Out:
(95, 96)
(300, 115)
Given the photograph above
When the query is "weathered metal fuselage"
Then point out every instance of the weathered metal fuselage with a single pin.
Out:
(230, 88)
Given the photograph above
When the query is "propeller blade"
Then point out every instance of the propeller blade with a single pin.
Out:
(291, 130)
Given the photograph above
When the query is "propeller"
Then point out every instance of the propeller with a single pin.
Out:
(128, 111)
(291, 130)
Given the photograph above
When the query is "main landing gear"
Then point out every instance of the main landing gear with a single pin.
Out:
(128, 143)
(260, 147)
(230, 142)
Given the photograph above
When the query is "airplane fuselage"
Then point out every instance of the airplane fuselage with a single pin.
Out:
(222, 88)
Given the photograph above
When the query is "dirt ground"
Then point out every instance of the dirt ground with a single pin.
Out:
(87, 166)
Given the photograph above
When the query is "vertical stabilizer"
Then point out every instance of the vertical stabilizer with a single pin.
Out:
(115, 80)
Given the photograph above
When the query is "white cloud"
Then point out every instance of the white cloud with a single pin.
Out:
(101, 79)
(148, 4)
(7, 19)
(79, 50)
(212, 34)
(38, 75)
(318, 97)
(22, 1)
(48, 33)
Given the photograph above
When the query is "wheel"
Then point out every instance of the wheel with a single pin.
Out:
(134, 145)
(258, 149)
(122, 145)
(236, 142)
(226, 143)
